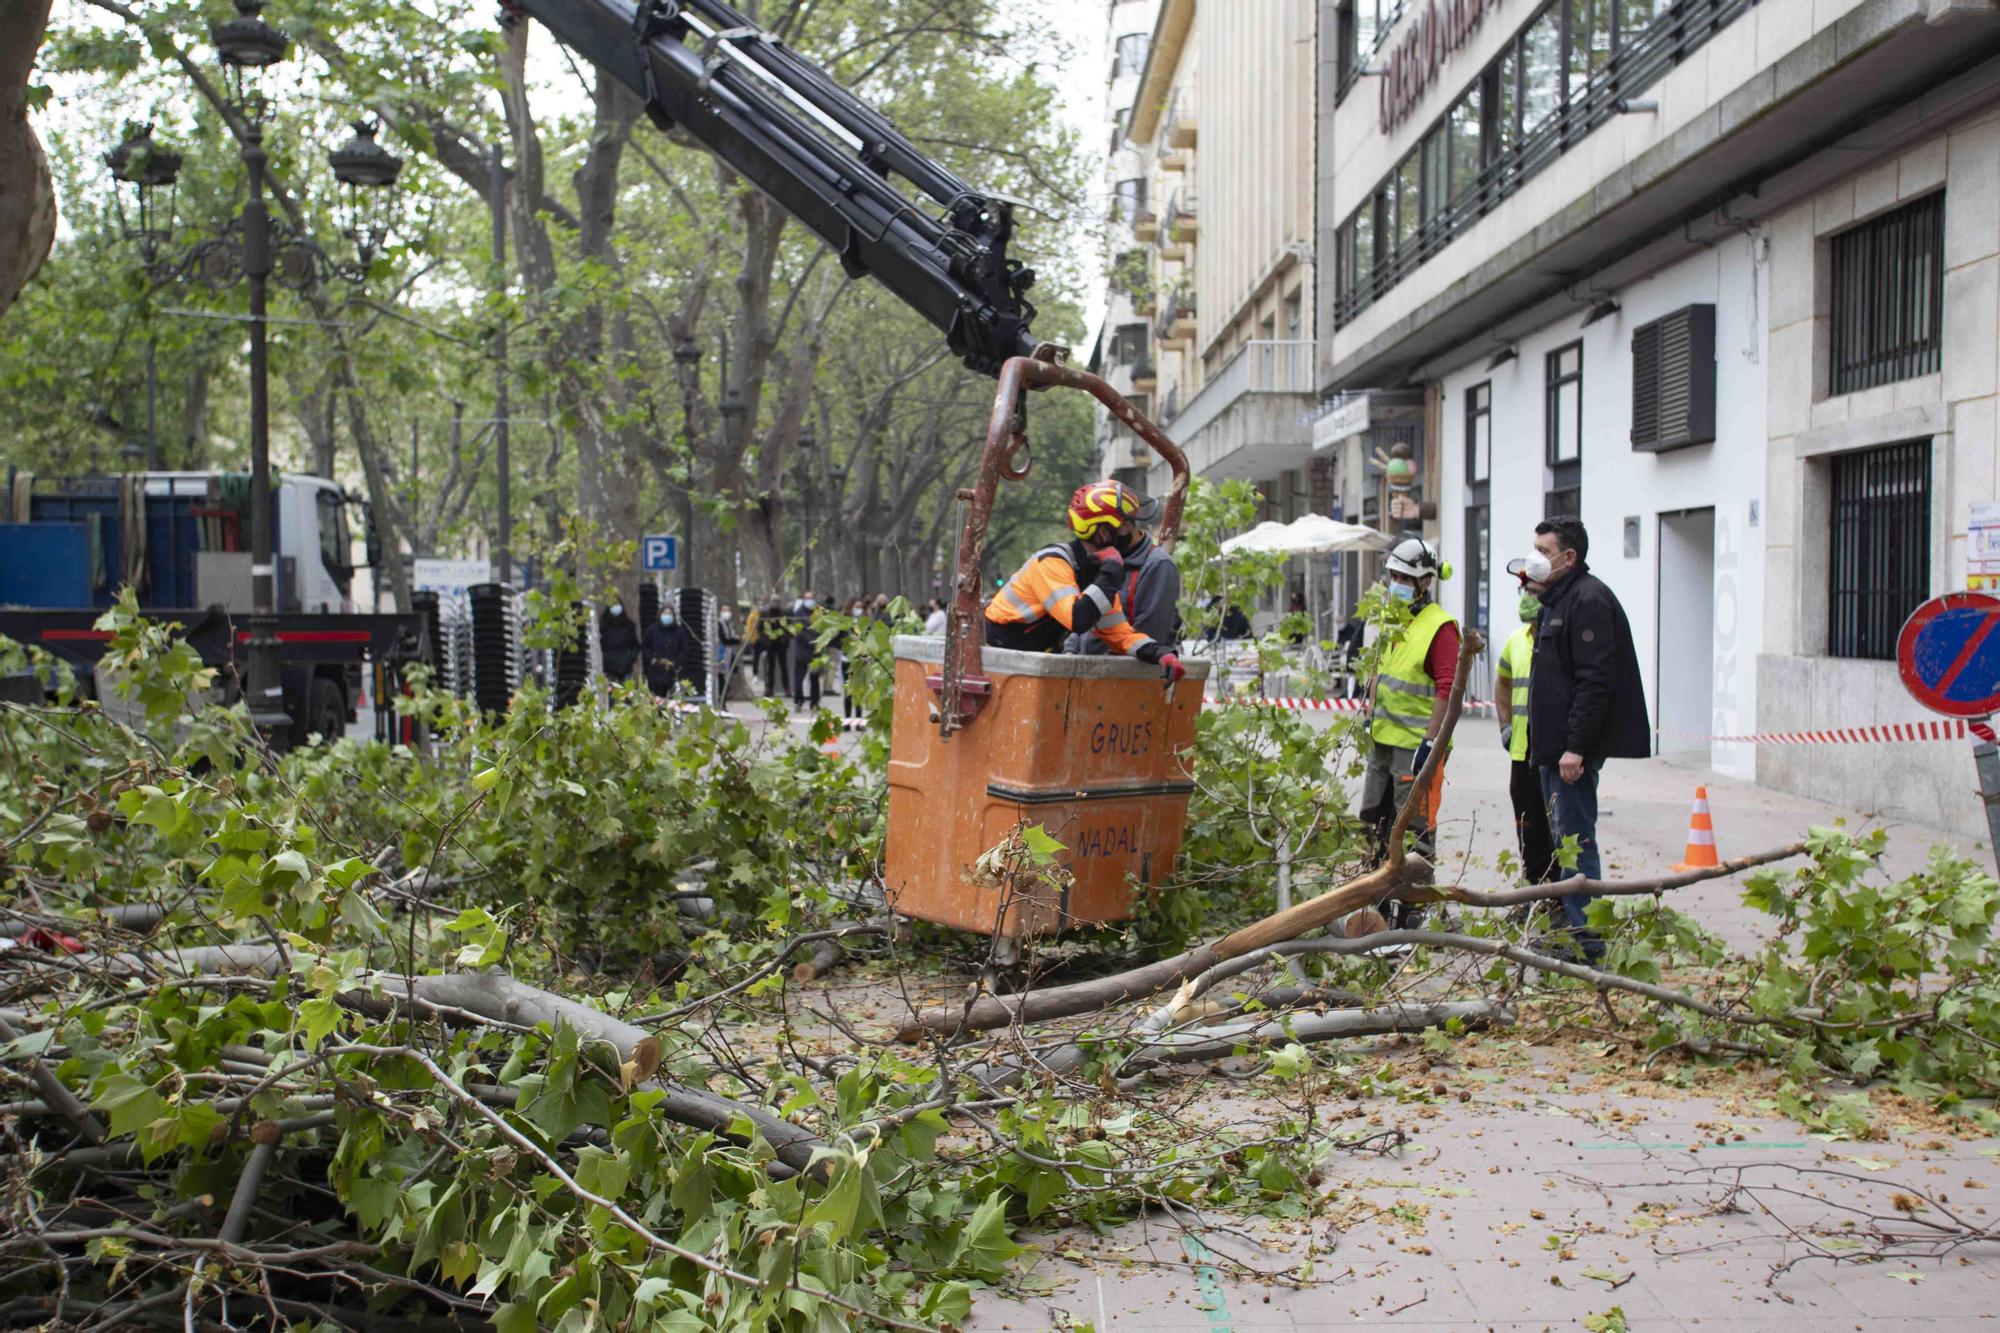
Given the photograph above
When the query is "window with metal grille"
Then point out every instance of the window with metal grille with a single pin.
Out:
(1879, 562)
(1673, 380)
(1888, 298)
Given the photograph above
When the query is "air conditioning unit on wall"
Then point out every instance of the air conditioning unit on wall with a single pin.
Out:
(1673, 380)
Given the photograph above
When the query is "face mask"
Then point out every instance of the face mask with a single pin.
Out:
(1531, 606)
(617, 608)
(1402, 592)
(666, 618)
(1538, 568)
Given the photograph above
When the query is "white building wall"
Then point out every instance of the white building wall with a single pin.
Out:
(1619, 482)
(1808, 427)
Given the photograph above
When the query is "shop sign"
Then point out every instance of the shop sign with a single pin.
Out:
(1439, 28)
(1342, 421)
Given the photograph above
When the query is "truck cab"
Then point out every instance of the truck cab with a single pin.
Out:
(182, 539)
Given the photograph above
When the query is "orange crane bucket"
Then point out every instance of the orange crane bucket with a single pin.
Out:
(1092, 749)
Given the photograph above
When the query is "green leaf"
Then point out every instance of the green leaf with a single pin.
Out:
(985, 1246)
(602, 1173)
(129, 1103)
(318, 1018)
(1041, 847)
(373, 1200)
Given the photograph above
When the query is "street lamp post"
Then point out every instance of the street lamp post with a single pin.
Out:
(732, 408)
(247, 46)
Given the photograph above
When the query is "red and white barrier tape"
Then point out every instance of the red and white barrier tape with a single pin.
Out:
(1954, 729)
(1473, 706)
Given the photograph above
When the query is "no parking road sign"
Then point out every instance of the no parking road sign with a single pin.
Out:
(657, 553)
(1949, 654)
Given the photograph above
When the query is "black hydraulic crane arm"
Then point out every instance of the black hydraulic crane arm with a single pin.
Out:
(821, 153)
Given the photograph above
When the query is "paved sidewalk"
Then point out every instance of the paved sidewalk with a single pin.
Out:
(1550, 1187)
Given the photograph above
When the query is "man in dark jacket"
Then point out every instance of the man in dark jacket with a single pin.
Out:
(1586, 701)
(673, 656)
(618, 638)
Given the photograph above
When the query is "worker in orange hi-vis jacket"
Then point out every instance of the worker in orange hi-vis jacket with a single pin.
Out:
(1072, 586)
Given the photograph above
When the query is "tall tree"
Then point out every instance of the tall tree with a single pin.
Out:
(27, 192)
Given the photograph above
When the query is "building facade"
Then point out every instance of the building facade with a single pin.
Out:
(1722, 278)
(1125, 353)
(1212, 248)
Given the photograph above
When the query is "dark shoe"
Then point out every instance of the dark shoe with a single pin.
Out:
(1562, 946)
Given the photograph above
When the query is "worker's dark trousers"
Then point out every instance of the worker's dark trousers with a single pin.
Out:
(1531, 823)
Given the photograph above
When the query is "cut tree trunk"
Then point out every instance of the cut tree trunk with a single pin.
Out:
(27, 194)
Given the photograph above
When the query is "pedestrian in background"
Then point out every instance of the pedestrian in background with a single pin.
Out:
(773, 648)
(1586, 701)
(934, 621)
(1524, 783)
(618, 642)
(669, 652)
(805, 647)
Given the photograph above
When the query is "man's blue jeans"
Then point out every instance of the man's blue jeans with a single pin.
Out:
(1572, 810)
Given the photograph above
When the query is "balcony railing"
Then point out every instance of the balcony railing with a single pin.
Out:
(1262, 366)
(1177, 127)
(1177, 314)
(1180, 221)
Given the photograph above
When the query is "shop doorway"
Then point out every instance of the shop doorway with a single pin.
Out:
(1685, 667)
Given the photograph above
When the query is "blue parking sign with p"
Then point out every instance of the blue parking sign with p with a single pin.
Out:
(657, 553)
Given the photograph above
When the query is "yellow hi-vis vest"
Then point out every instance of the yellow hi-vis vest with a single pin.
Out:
(1404, 690)
(1519, 655)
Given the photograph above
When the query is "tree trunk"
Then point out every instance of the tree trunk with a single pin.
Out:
(27, 194)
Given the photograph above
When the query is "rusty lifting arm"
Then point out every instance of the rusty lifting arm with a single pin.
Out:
(821, 153)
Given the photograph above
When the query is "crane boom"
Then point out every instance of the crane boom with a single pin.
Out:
(824, 155)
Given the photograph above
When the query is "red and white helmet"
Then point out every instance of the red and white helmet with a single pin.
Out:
(1098, 505)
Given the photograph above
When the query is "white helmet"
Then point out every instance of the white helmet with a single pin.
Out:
(1413, 556)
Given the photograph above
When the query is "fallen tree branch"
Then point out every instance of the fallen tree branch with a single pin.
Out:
(1083, 997)
(56, 1093)
(1223, 1039)
(1605, 888)
(459, 996)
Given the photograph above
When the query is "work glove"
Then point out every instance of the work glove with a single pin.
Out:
(1506, 736)
(1423, 754)
(1111, 561)
(1171, 668)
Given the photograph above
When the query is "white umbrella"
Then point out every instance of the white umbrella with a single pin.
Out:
(1308, 535)
(1312, 534)
(1266, 536)
(1316, 534)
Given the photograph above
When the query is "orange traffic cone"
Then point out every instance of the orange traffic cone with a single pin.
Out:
(1701, 836)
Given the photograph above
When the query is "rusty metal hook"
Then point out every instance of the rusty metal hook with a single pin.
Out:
(1020, 449)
